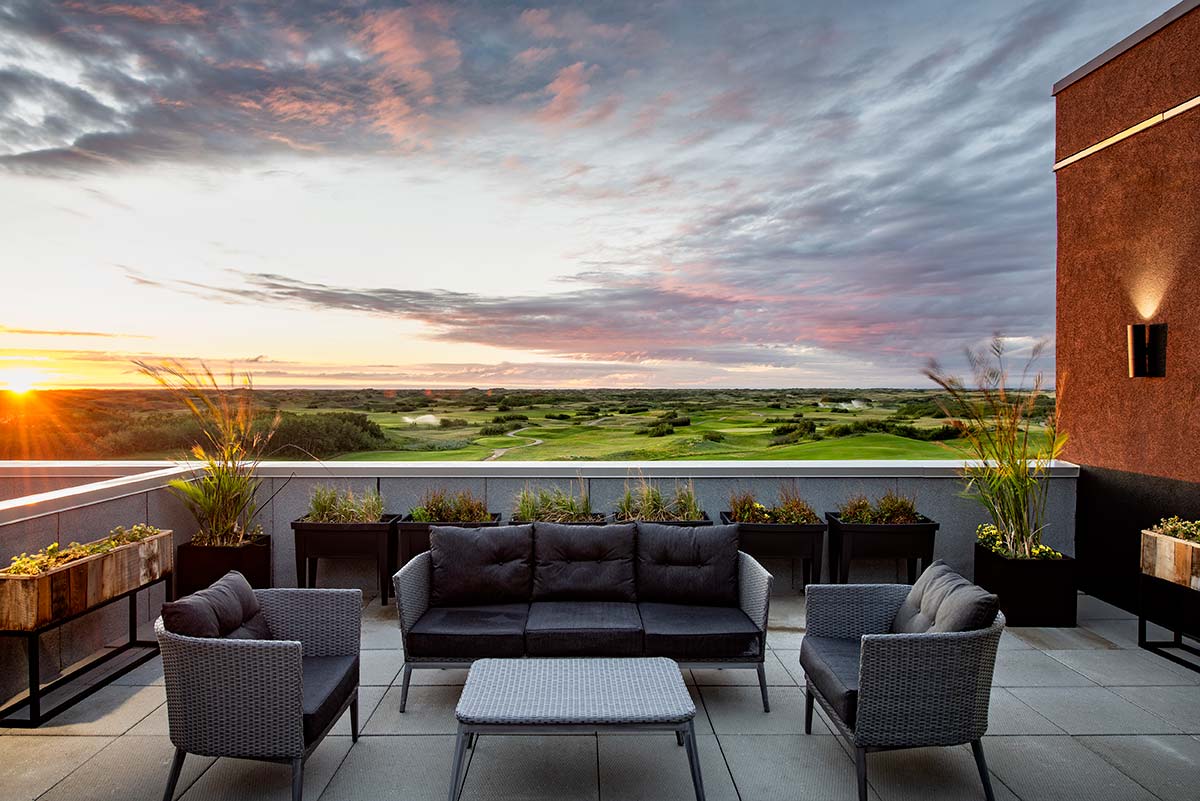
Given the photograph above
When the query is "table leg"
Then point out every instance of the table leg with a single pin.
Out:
(460, 752)
(694, 760)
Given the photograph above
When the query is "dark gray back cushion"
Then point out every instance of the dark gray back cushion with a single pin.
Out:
(943, 601)
(480, 566)
(583, 563)
(228, 608)
(687, 564)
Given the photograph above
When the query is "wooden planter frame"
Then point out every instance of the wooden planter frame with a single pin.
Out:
(1170, 585)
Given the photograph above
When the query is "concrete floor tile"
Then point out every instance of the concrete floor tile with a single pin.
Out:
(430, 710)
(409, 768)
(784, 640)
(655, 768)
(1126, 668)
(738, 710)
(1179, 706)
(368, 701)
(930, 774)
(1008, 714)
(791, 768)
(777, 675)
(1032, 668)
(1058, 769)
(434, 678)
(1123, 632)
(29, 766)
(1055, 639)
(1091, 710)
(1011, 642)
(268, 781)
(130, 768)
(533, 768)
(1168, 766)
(110, 711)
(379, 667)
(1092, 608)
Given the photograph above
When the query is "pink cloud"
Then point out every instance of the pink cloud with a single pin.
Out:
(166, 12)
(537, 22)
(534, 55)
(413, 44)
(573, 26)
(305, 105)
(647, 118)
(567, 91)
(733, 105)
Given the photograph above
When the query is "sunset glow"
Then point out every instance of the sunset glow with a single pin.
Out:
(20, 381)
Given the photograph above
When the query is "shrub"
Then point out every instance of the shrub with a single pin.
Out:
(713, 436)
(329, 505)
(989, 537)
(558, 416)
(453, 422)
(660, 430)
(504, 418)
(1180, 529)
(439, 506)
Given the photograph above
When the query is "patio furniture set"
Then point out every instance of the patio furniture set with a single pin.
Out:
(568, 630)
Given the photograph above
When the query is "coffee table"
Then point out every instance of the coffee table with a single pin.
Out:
(574, 696)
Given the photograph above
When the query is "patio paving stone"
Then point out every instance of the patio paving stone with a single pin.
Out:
(379, 667)
(29, 766)
(130, 768)
(531, 768)
(1010, 715)
(1058, 769)
(430, 710)
(1033, 668)
(1092, 710)
(738, 710)
(929, 774)
(1168, 766)
(777, 675)
(110, 711)
(376, 768)
(268, 781)
(1065, 639)
(1125, 668)
(655, 768)
(790, 768)
(1179, 706)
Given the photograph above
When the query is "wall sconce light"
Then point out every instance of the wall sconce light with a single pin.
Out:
(1148, 350)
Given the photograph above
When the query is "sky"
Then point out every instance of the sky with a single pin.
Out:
(601, 194)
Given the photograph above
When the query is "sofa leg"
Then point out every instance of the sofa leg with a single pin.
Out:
(297, 779)
(762, 685)
(860, 767)
(981, 763)
(679, 738)
(808, 710)
(404, 687)
(354, 719)
(173, 778)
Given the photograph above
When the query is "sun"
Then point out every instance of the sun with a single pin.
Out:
(20, 380)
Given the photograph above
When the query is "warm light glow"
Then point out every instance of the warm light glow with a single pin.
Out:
(21, 380)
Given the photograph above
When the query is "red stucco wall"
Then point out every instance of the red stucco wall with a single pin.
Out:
(1128, 231)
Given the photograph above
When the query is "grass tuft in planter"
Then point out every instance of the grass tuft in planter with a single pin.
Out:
(889, 528)
(646, 502)
(440, 507)
(555, 505)
(343, 524)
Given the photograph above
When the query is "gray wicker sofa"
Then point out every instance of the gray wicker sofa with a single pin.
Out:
(895, 666)
(548, 590)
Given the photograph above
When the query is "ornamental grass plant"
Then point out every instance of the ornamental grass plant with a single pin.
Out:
(646, 501)
(439, 506)
(554, 505)
(329, 505)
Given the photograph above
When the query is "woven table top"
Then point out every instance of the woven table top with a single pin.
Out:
(531, 692)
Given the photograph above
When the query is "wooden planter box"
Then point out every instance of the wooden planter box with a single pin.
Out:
(1032, 592)
(782, 541)
(28, 603)
(198, 566)
(414, 536)
(375, 540)
(1171, 559)
(909, 541)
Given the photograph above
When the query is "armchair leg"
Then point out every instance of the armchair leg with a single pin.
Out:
(404, 687)
(354, 719)
(808, 709)
(173, 778)
(297, 779)
(981, 763)
(860, 767)
(762, 685)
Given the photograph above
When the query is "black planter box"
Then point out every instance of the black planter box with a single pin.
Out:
(596, 519)
(783, 541)
(198, 566)
(414, 535)
(908, 541)
(704, 520)
(1033, 592)
(376, 540)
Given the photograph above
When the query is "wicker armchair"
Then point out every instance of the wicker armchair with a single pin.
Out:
(912, 690)
(271, 700)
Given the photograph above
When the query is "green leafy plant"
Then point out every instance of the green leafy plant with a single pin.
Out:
(1187, 530)
(553, 505)
(329, 505)
(439, 506)
(1010, 460)
(223, 494)
(989, 537)
(889, 510)
(791, 510)
(646, 501)
(54, 555)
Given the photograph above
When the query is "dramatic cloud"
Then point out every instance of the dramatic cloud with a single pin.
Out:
(785, 191)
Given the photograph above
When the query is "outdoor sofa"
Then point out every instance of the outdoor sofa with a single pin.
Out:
(555, 590)
(895, 666)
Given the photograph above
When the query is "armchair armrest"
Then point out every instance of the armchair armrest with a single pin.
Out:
(234, 698)
(852, 610)
(414, 585)
(926, 689)
(325, 622)
(754, 590)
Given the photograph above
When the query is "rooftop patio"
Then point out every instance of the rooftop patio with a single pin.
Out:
(1075, 713)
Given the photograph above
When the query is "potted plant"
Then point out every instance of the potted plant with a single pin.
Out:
(1171, 552)
(440, 508)
(790, 529)
(646, 502)
(891, 528)
(555, 505)
(58, 582)
(1170, 586)
(1007, 475)
(223, 492)
(345, 525)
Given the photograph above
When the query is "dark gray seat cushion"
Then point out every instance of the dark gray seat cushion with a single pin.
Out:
(227, 608)
(469, 632)
(684, 632)
(583, 563)
(831, 664)
(329, 682)
(583, 628)
(694, 565)
(943, 601)
(478, 566)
